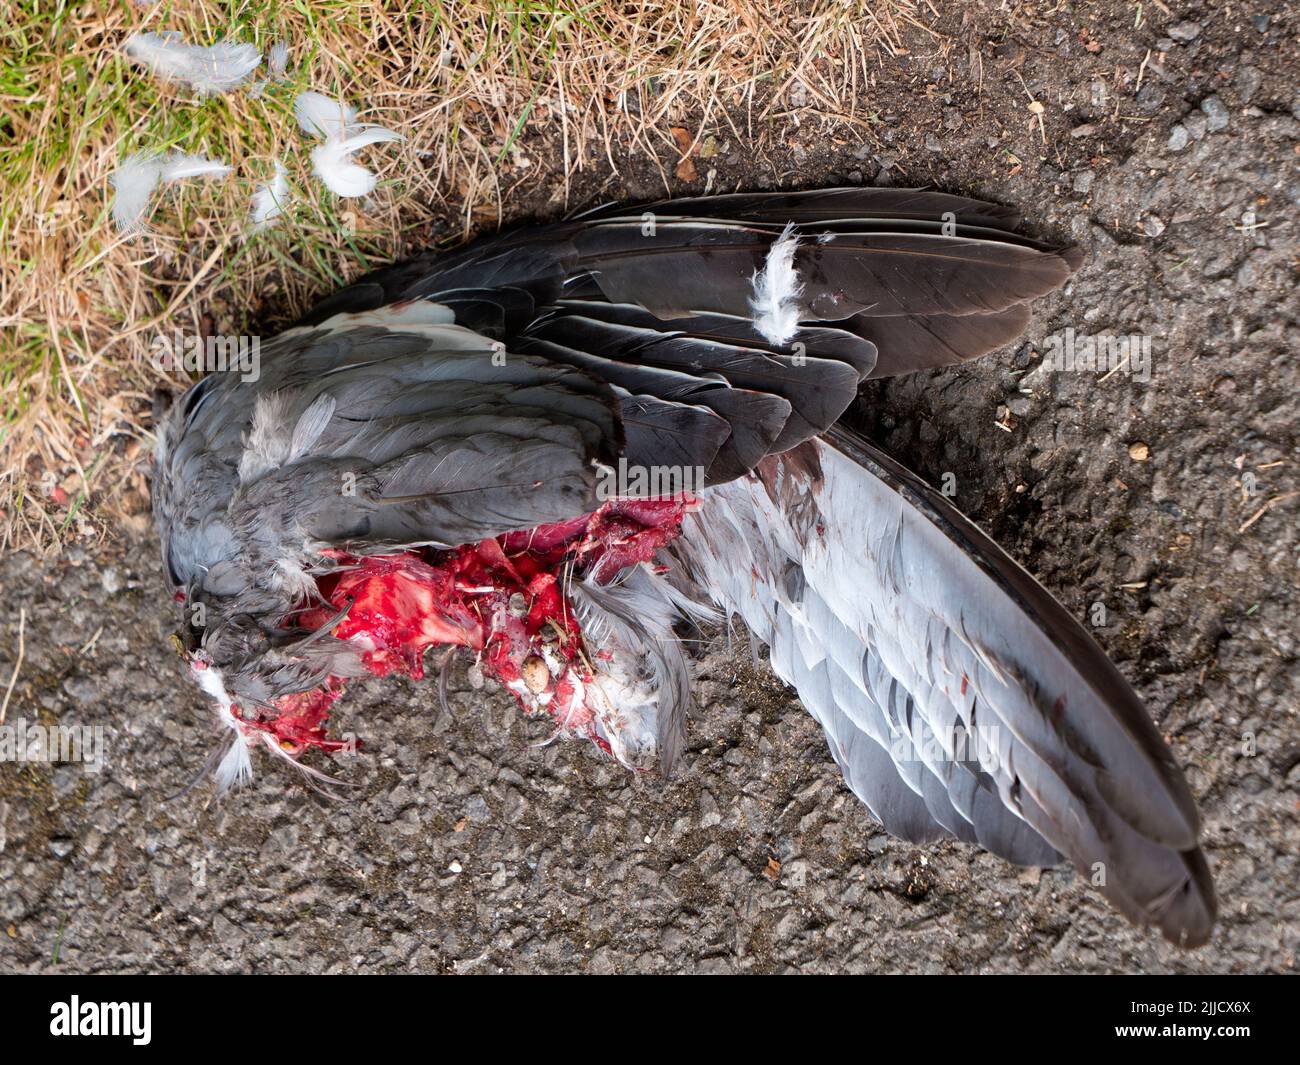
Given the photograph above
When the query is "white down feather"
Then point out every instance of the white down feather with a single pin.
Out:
(336, 121)
(270, 199)
(210, 69)
(136, 179)
(777, 289)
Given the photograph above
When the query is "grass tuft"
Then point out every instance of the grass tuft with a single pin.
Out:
(479, 89)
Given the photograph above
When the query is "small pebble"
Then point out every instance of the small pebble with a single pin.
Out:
(1249, 80)
(1150, 97)
(1196, 124)
(1216, 112)
(1153, 226)
(1083, 182)
(1184, 31)
(1178, 138)
(456, 867)
(1139, 452)
(475, 676)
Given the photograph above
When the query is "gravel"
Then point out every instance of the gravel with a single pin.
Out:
(1216, 113)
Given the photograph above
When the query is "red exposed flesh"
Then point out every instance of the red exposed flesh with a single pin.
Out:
(400, 604)
(302, 718)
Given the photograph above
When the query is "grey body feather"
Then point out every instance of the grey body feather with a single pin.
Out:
(648, 681)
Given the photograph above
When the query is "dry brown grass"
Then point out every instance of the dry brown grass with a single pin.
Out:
(477, 88)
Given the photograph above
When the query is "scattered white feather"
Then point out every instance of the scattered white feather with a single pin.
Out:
(323, 116)
(235, 770)
(336, 121)
(340, 174)
(277, 59)
(135, 181)
(133, 187)
(213, 68)
(277, 62)
(235, 767)
(270, 199)
(777, 289)
(177, 166)
(360, 136)
(332, 162)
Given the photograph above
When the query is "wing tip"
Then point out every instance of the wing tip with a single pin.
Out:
(1073, 256)
(1187, 917)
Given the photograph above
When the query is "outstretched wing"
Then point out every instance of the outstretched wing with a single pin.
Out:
(461, 395)
(717, 356)
(958, 697)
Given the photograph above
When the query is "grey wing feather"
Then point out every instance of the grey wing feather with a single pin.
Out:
(927, 278)
(957, 696)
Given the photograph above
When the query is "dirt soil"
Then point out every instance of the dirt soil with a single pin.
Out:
(1169, 152)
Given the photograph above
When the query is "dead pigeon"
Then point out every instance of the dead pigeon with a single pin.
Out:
(555, 447)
